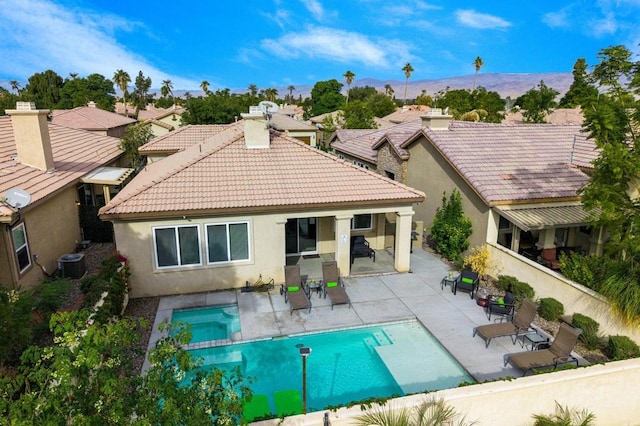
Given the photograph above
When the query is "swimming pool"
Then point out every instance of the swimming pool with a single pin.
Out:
(344, 366)
(210, 323)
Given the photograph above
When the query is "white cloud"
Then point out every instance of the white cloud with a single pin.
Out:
(315, 8)
(483, 21)
(40, 35)
(339, 46)
(557, 19)
(606, 25)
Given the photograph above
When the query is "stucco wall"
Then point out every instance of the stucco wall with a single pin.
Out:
(53, 229)
(607, 391)
(574, 297)
(430, 173)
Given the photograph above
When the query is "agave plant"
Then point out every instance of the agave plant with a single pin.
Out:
(430, 413)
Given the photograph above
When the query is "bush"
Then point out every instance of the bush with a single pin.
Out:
(550, 309)
(451, 228)
(480, 261)
(50, 295)
(15, 323)
(589, 271)
(622, 347)
(589, 327)
(519, 289)
(112, 278)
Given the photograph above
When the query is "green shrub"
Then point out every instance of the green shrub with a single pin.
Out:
(49, 296)
(519, 289)
(550, 308)
(16, 324)
(451, 228)
(622, 347)
(622, 288)
(111, 278)
(589, 327)
(589, 271)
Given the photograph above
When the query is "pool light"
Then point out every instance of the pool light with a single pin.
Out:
(304, 353)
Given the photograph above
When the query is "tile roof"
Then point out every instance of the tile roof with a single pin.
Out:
(514, 163)
(182, 138)
(89, 118)
(157, 113)
(407, 113)
(222, 176)
(557, 116)
(75, 153)
(283, 122)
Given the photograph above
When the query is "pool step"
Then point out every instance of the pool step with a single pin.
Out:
(233, 357)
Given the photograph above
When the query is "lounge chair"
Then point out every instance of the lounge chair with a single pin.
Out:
(467, 281)
(333, 285)
(293, 289)
(520, 324)
(558, 353)
(360, 248)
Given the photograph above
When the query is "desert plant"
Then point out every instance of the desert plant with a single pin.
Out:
(622, 347)
(589, 326)
(622, 288)
(431, 412)
(565, 416)
(589, 271)
(451, 228)
(480, 261)
(550, 308)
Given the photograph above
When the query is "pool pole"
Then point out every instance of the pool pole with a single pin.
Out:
(304, 384)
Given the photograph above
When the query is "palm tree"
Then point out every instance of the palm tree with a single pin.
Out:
(291, 88)
(73, 75)
(121, 79)
(408, 69)
(478, 64)
(388, 90)
(15, 86)
(205, 86)
(253, 89)
(167, 85)
(271, 94)
(348, 77)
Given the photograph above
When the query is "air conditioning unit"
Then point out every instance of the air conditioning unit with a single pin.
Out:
(72, 265)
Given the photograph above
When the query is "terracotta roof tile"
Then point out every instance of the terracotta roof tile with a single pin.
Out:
(182, 138)
(75, 153)
(222, 175)
(89, 118)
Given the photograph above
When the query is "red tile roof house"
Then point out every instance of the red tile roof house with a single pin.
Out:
(51, 163)
(93, 119)
(229, 208)
(518, 183)
(162, 120)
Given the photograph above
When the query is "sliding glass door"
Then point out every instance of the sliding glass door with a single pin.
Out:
(301, 236)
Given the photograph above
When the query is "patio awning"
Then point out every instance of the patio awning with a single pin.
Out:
(535, 218)
(107, 175)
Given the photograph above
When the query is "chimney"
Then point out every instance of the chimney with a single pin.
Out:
(256, 129)
(31, 133)
(434, 119)
(91, 104)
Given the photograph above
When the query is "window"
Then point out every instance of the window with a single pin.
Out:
(340, 156)
(227, 242)
(362, 221)
(390, 175)
(177, 246)
(361, 164)
(21, 246)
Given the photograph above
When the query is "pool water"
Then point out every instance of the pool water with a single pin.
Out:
(210, 323)
(344, 366)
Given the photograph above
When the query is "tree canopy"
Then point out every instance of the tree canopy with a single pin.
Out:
(325, 97)
(44, 89)
(357, 115)
(80, 91)
(537, 103)
(581, 92)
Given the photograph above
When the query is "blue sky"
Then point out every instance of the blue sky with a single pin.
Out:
(272, 43)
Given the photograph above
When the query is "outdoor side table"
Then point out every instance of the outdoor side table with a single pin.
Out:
(314, 285)
(534, 339)
(448, 280)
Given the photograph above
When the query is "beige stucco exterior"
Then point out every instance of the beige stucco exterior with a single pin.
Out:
(134, 240)
(53, 229)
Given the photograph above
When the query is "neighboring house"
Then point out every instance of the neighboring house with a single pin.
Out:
(61, 168)
(222, 212)
(519, 183)
(179, 140)
(93, 119)
(556, 116)
(161, 120)
(295, 128)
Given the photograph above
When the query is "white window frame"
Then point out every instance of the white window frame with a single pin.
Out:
(227, 224)
(362, 229)
(177, 239)
(17, 249)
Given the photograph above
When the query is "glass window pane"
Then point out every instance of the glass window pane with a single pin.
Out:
(362, 221)
(23, 259)
(166, 247)
(217, 241)
(189, 245)
(239, 241)
(18, 236)
(20, 245)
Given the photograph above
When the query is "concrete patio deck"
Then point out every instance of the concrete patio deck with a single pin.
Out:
(375, 299)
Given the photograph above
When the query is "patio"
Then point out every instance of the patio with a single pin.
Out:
(384, 297)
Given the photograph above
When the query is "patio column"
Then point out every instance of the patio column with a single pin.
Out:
(402, 248)
(343, 244)
(515, 237)
(546, 243)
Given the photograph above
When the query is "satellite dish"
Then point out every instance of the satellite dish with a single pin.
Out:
(268, 107)
(17, 198)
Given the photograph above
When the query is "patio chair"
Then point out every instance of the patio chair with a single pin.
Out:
(520, 324)
(293, 289)
(333, 285)
(360, 248)
(558, 353)
(501, 306)
(467, 281)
